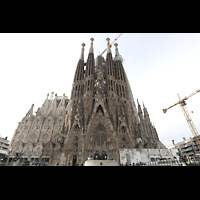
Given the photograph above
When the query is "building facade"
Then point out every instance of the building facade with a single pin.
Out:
(39, 137)
(99, 119)
(4, 145)
(187, 147)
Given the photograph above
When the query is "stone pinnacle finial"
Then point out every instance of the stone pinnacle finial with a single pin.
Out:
(82, 52)
(108, 45)
(63, 94)
(116, 49)
(117, 55)
(91, 46)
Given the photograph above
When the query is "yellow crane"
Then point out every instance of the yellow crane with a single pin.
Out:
(182, 103)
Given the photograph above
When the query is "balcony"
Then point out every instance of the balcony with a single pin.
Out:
(187, 149)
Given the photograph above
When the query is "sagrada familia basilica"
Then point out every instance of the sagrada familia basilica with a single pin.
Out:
(99, 118)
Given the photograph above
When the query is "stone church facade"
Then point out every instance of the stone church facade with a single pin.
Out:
(99, 119)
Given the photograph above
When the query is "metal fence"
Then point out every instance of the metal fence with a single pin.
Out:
(180, 162)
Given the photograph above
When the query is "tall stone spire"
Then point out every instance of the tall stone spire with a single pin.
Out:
(91, 46)
(90, 61)
(108, 45)
(45, 106)
(117, 55)
(82, 52)
(30, 112)
(139, 109)
(145, 111)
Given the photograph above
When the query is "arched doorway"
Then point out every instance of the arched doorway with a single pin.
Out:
(96, 155)
(74, 160)
(103, 155)
(100, 155)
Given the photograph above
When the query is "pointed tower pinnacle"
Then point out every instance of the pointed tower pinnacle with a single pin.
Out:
(82, 52)
(91, 46)
(108, 45)
(117, 55)
(139, 109)
(30, 112)
(145, 110)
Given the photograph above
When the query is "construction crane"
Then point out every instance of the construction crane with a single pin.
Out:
(111, 43)
(193, 129)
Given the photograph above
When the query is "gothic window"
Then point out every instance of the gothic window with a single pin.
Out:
(103, 140)
(123, 89)
(33, 136)
(26, 122)
(123, 129)
(45, 137)
(120, 90)
(78, 75)
(111, 118)
(21, 137)
(88, 84)
(75, 92)
(123, 143)
(60, 121)
(78, 90)
(76, 128)
(49, 121)
(117, 90)
(82, 89)
(100, 109)
(38, 121)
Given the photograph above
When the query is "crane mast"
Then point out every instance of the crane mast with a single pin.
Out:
(190, 124)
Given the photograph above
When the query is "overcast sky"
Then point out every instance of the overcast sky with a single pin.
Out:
(158, 66)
